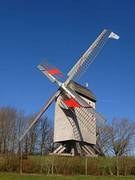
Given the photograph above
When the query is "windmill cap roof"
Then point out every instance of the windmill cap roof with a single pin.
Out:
(82, 91)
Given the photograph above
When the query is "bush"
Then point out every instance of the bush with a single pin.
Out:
(9, 163)
(124, 166)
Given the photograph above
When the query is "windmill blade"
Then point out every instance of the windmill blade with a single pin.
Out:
(44, 108)
(100, 118)
(53, 73)
(89, 56)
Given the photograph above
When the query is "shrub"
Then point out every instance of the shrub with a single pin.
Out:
(69, 165)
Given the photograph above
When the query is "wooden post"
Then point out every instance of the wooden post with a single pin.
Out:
(20, 159)
(52, 165)
(86, 166)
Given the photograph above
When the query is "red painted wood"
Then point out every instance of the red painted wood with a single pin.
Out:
(72, 103)
(54, 71)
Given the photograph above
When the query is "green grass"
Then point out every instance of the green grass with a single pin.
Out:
(6, 176)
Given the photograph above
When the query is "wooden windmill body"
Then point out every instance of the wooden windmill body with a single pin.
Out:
(72, 134)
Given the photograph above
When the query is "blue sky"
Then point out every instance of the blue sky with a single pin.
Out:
(60, 31)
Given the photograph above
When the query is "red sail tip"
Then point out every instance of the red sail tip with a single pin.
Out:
(54, 71)
(72, 103)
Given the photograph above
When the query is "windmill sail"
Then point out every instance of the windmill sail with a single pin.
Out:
(44, 108)
(89, 56)
(53, 73)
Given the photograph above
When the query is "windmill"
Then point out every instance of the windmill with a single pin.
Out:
(75, 114)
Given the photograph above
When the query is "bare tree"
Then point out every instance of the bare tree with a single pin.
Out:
(12, 125)
(123, 132)
(39, 138)
(45, 135)
(117, 138)
(103, 139)
(7, 128)
(28, 143)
